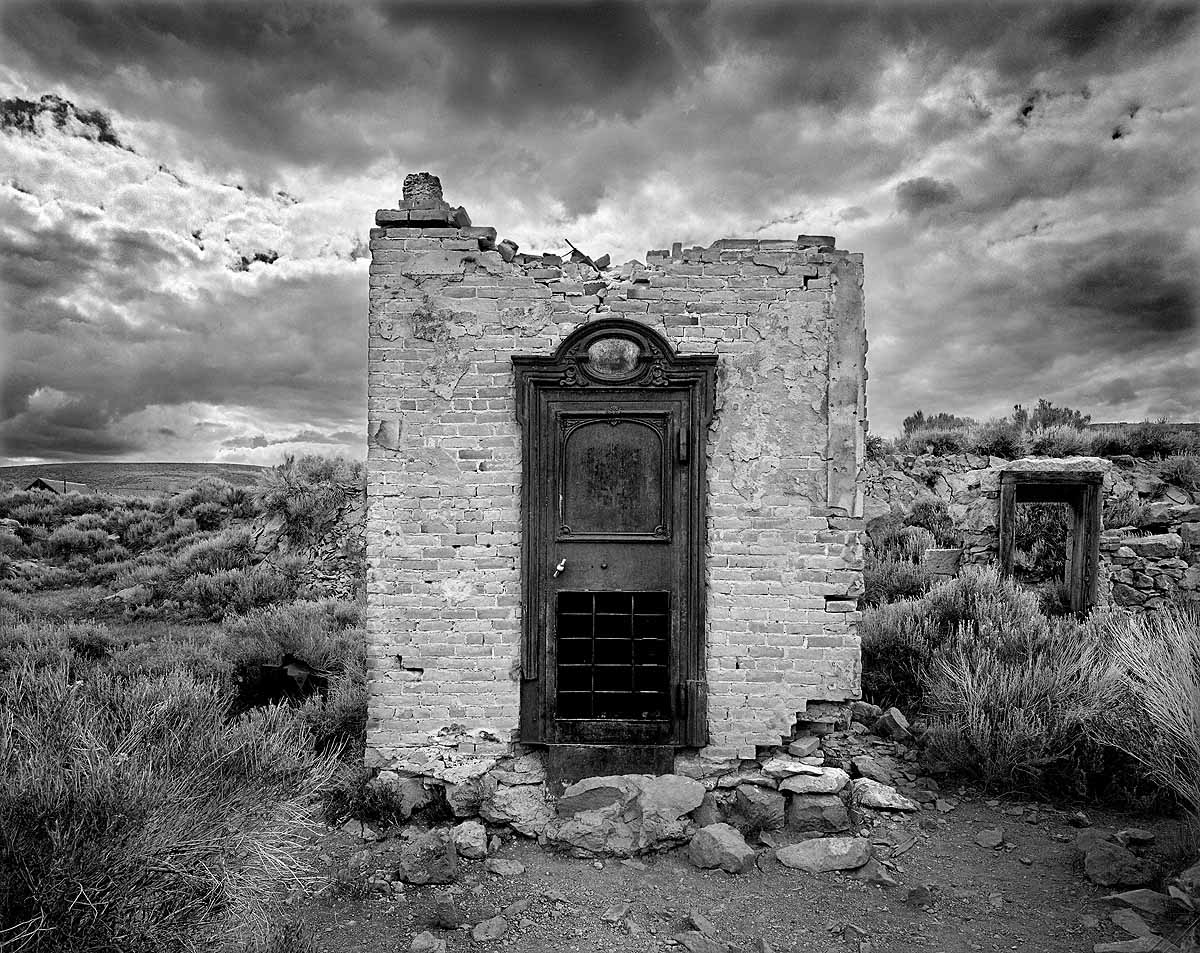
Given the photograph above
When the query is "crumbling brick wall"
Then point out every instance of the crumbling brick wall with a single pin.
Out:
(449, 306)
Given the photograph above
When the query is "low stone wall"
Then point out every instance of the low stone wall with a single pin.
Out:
(1139, 566)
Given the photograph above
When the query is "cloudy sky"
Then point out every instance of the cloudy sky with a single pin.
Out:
(182, 231)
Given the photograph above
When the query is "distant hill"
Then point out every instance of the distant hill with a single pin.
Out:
(133, 479)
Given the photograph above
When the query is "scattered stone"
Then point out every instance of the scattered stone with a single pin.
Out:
(825, 853)
(1129, 921)
(757, 809)
(427, 943)
(429, 858)
(760, 945)
(892, 724)
(1087, 839)
(828, 781)
(783, 766)
(470, 839)
(865, 766)
(695, 942)
(864, 712)
(521, 806)
(491, 929)
(825, 813)
(634, 863)
(1079, 819)
(1142, 944)
(615, 913)
(468, 796)
(1189, 880)
(698, 921)
(943, 806)
(1135, 836)
(918, 896)
(526, 769)
(990, 837)
(445, 912)
(721, 845)
(804, 747)
(504, 868)
(1109, 864)
(1148, 901)
(712, 809)
(883, 797)
(873, 872)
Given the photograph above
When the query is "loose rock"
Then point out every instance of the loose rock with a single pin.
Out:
(427, 943)
(491, 929)
(818, 812)
(1109, 864)
(990, 837)
(721, 845)
(429, 858)
(804, 747)
(828, 781)
(470, 839)
(1130, 922)
(825, 853)
(872, 794)
(504, 868)
(892, 724)
(1147, 901)
(757, 809)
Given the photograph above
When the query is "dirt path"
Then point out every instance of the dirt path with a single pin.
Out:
(1029, 895)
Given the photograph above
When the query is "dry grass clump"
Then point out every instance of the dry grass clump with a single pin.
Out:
(134, 817)
(1014, 712)
(1152, 697)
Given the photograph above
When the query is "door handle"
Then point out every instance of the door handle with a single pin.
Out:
(560, 568)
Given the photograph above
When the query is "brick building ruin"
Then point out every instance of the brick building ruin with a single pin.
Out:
(613, 512)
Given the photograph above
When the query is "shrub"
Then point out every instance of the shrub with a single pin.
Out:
(1181, 469)
(133, 816)
(10, 544)
(901, 639)
(310, 493)
(229, 549)
(1152, 438)
(356, 794)
(1110, 441)
(999, 437)
(338, 718)
(889, 580)
(1059, 440)
(1152, 699)
(892, 539)
(67, 540)
(235, 591)
(1015, 715)
(1124, 511)
(933, 514)
(323, 634)
(941, 441)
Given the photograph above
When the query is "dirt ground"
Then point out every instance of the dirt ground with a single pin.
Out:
(1028, 895)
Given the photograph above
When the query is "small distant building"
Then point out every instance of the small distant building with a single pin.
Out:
(58, 486)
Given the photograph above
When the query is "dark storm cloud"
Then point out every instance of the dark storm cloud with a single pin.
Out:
(914, 196)
(336, 83)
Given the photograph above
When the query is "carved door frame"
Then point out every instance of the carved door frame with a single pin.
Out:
(659, 374)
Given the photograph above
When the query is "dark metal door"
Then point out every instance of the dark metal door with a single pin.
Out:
(613, 545)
